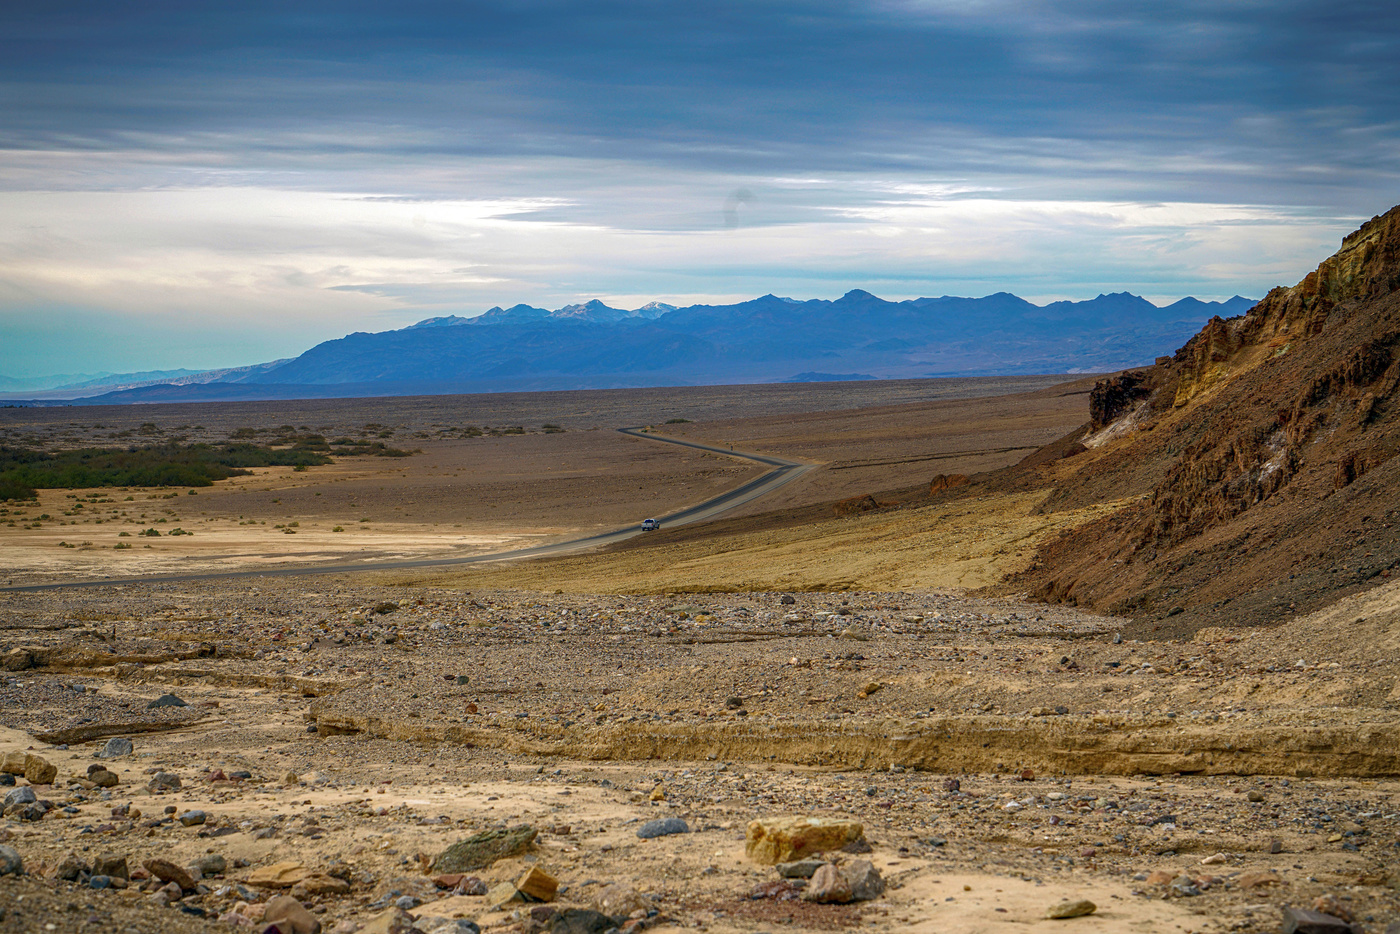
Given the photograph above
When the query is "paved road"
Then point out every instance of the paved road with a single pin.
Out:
(783, 472)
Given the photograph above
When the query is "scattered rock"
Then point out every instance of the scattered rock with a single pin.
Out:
(662, 827)
(581, 921)
(116, 747)
(104, 778)
(1330, 904)
(537, 885)
(318, 884)
(828, 886)
(166, 871)
(802, 869)
(866, 881)
(787, 599)
(193, 818)
(619, 899)
(856, 881)
(39, 771)
(163, 782)
(13, 763)
(290, 916)
(1253, 880)
(282, 875)
(481, 850)
(1071, 909)
(393, 921)
(502, 894)
(113, 867)
(166, 700)
(786, 839)
(1303, 921)
(20, 796)
(211, 864)
(71, 868)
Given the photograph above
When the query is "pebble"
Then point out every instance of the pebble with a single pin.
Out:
(166, 700)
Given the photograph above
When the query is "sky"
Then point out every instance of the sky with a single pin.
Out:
(191, 184)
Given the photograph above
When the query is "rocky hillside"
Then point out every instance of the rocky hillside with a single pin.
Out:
(1258, 464)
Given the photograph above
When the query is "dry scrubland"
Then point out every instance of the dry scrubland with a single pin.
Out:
(1001, 757)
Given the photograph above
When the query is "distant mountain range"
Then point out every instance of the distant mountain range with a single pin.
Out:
(768, 339)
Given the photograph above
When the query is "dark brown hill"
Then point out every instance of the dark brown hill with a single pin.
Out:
(1261, 460)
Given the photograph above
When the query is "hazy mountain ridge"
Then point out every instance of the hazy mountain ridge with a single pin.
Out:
(766, 339)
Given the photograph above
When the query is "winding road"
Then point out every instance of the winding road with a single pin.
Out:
(784, 471)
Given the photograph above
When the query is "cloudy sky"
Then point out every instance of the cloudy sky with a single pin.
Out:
(214, 184)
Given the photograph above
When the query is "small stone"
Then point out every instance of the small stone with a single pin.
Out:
(193, 818)
(282, 875)
(163, 782)
(71, 867)
(1255, 796)
(952, 785)
(102, 778)
(787, 599)
(166, 700)
(13, 763)
(828, 886)
(538, 885)
(166, 871)
(1252, 880)
(619, 900)
(1275, 847)
(481, 850)
(865, 880)
(786, 839)
(662, 827)
(393, 921)
(1303, 921)
(10, 862)
(290, 916)
(100, 882)
(502, 894)
(20, 796)
(211, 864)
(1213, 860)
(318, 884)
(581, 921)
(1330, 904)
(870, 688)
(408, 902)
(658, 794)
(116, 747)
(733, 703)
(114, 867)
(1071, 909)
(801, 869)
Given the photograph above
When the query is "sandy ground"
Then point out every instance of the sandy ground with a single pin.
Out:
(574, 726)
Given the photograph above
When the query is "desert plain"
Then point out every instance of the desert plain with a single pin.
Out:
(846, 648)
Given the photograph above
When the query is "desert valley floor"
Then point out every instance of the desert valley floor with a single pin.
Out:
(845, 649)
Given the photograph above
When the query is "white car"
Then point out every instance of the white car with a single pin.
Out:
(650, 525)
